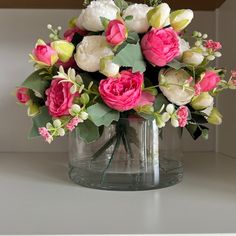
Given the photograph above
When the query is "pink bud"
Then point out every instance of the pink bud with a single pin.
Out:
(22, 95)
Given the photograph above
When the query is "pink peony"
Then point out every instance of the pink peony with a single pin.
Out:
(160, 46)
(45, 54)
(123, 93)
(59, 98)
(22, 95)
(73, 123)
(146, 99)
(209, 81)
(182, 114)
(215, 46)
(45, 134)
(116, 32)
(70, 33)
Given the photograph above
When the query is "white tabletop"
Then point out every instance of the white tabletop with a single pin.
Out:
(37, 197)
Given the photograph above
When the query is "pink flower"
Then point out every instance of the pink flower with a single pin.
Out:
(45, 134)
(70, 33)
(233, 73)
(215, 46)
(22, 95)
(209, 81)
(197, 88)
(59, 98)
(116, 32)
(73, 123)
(160, 46)
(146, 99)
(45, 54)
(123, 93)
(182, 114)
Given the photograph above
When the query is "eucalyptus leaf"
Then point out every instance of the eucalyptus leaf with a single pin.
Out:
(175, 64)
(88, 131)
(40, 121)
(100, 114)
(130, 17)
(121, 4)
(132, 38)
(131, 56)
(37, 82)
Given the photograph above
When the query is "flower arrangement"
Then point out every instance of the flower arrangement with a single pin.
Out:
(119, 59)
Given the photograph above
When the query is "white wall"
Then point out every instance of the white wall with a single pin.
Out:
(227, 102)
(19, 31)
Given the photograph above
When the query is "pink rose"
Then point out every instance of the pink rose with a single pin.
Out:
(146, 99)
(209, 81)
(123, 93)
(182, 114)
(215, 46)
(70, 33)
(59, 98)
(45, 54)
(116, 32)
(160, 46)
(22, 95)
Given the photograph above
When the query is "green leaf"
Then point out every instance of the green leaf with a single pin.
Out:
(130, 17)
(100, 114)
(40, 121)
(37, 82)
(131, 56)
(88, 131)
(198, 118)
(121, 4)
(104, 21)
(176, 64)
(132, 38)
(160, 101)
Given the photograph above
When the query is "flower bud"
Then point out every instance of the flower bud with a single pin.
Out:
(57, 123)
(64, 49)
(84, 98)
(61, 132)
(180, 19)
(75, 109)
(192, 58)
(158, 16)
(83, 115)
(201, 102)
(215, 117)
(33, 110)
(108, 68)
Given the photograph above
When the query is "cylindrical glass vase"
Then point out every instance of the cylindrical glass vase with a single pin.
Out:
(131, 154)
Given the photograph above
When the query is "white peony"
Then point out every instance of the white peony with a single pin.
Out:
(90, 51)
(80, 20)
(139, 23)
(184, 46)
(89, 18)
(174, 91)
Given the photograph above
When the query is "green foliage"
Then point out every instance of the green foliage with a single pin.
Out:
(160, 101)
(104, 21)
(130, 17)
(197, 131)
(132, 38)
(100, 114)
(131, 56)
(176, 64)
(40, 121)
(121, 4)
(153, 3)
(37, 82)
(88, 131)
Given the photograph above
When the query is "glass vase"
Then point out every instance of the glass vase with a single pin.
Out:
(131, 154)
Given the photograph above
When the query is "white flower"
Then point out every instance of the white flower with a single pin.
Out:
(80, 20)
(108, 68)
(192, 58)
(158, 16)
(170, 114)
(139, 23)
(90, 51)
(180, 19)
(183, 47)
(90, 17)
(173, 87)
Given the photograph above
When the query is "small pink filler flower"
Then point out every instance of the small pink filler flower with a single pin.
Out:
(45, 134)
(215, 46)
(182, 114)
(73, 123)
